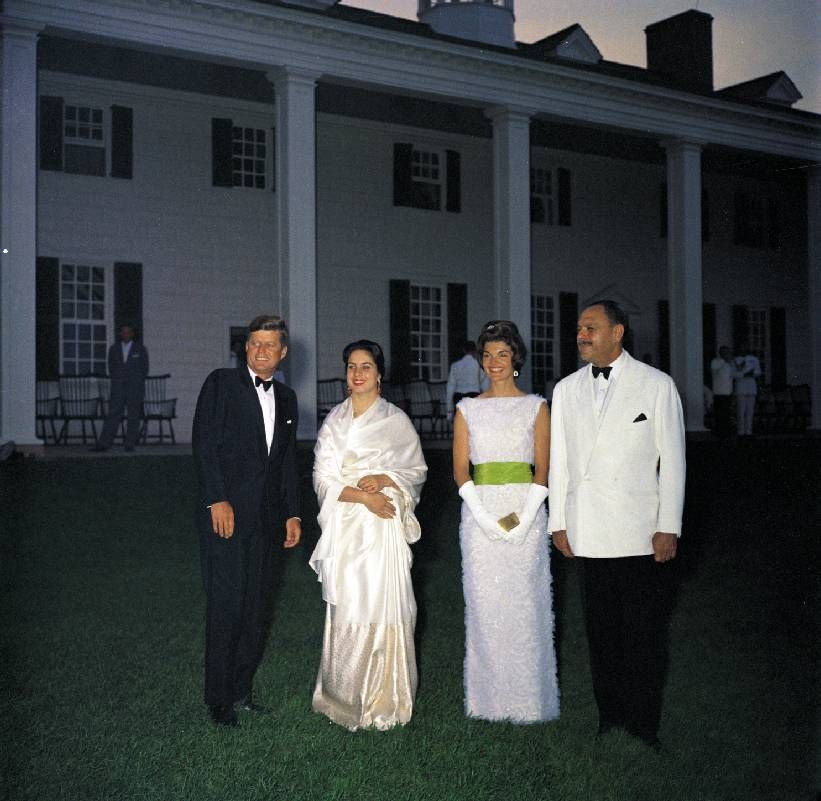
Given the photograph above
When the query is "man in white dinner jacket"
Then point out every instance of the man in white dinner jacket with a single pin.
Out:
(617, 469)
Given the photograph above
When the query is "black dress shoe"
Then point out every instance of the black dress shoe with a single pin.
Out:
(223, 715)
(248, 704)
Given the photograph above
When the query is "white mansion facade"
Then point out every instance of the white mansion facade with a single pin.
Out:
(187, 164)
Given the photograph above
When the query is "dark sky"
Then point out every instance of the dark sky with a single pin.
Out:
(750, 37)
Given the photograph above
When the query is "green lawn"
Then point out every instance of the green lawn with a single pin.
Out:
(102, 625)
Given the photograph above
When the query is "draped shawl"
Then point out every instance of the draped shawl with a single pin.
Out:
(381, 440)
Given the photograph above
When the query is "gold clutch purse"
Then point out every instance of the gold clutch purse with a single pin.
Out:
(509, 522)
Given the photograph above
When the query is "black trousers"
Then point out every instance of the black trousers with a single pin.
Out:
(238, 578)
(123, 397)
(722, 407)
(626, 607)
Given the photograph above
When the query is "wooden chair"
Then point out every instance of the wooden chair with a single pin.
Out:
(802, 405)
(329, 393)
(47, 405)
(159, 409)
(439, 394)
(79, 402)
(395, 393)
(420, 406)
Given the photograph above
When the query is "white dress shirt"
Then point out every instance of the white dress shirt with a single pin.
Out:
(267, 402)
(126, 350)
(465, 375)
(723, 372)
(602, 387)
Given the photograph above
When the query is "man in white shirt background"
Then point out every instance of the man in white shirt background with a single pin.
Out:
(722, 370)
(466, 377)
(747, 373)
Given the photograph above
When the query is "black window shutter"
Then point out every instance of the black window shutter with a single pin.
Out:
(402, 178)
(128, 296)
(663, 211)
(773, 224)
(664, 335)
(705, 216)
(221, 173)
(47, 336)
(122, 142)
(708, 341)
(453, 201)
(740, 212)
(568, 319)
(400, 332)
(741, 319)
(565, 212)
(778, 347)
(457, 319)
(51, 133)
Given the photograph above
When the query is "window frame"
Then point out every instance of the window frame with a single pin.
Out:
(97, 361)
(551, 342)
(427, 369)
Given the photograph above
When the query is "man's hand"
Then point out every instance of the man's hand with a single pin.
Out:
(293, 532)
(372, 483)
(222, 519)
(380, 505)
(562, 543)
(664, 546)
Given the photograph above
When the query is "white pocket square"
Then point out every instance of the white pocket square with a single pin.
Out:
(288, 422)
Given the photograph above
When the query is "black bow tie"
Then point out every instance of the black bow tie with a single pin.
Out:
(605, 371)
(266, 385)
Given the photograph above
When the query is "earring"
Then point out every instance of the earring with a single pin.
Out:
(379, 385)
(348, 389)
(515, 373)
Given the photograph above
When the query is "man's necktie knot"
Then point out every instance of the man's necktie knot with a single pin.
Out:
(266, 385)
(605, 371)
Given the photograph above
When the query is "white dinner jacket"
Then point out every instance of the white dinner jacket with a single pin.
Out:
(616, 478)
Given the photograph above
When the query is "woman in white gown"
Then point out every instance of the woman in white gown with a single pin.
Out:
(368, 473)
(510, 658)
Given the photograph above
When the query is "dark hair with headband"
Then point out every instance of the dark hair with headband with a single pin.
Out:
(507, 332)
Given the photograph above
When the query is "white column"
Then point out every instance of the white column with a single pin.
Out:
(18, 232)
(814, 282)
(296, 236)
(684, 276)
(511, 218)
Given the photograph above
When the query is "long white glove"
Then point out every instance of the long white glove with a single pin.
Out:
(533, 502)
(484, 519)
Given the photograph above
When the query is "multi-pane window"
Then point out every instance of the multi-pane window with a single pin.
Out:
(543, 336)
(758, 336)
(82, 319)
(426, 176)
(541, 195)
(83, 140)
(249, 151)
(427, 327)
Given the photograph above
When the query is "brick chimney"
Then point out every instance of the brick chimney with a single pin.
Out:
(680, 49)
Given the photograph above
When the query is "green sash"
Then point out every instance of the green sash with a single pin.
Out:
(502, 473)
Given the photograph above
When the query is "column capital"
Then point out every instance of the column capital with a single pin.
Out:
(290, 74)
(13, 28)
(689, 144)
(510, 113)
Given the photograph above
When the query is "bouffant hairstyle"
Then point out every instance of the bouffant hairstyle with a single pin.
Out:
(270, 322)
(507, 332)
(371, 347)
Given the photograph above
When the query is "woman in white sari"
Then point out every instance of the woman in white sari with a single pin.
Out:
(368, 473)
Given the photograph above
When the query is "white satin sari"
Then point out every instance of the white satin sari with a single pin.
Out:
(367, 676)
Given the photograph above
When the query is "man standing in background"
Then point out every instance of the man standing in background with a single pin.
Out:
(127, 369)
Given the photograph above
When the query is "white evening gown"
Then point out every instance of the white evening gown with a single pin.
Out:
(510, 658)
(367, 676)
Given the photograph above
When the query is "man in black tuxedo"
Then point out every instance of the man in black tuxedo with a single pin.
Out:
(244, 443)
(127, 369)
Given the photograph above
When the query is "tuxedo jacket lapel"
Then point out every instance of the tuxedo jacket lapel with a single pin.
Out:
(251, 396)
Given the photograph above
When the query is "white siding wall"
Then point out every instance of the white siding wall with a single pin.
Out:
(208, 253)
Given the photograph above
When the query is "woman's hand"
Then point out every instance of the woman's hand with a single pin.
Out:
(375, 482)
(379, 504)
